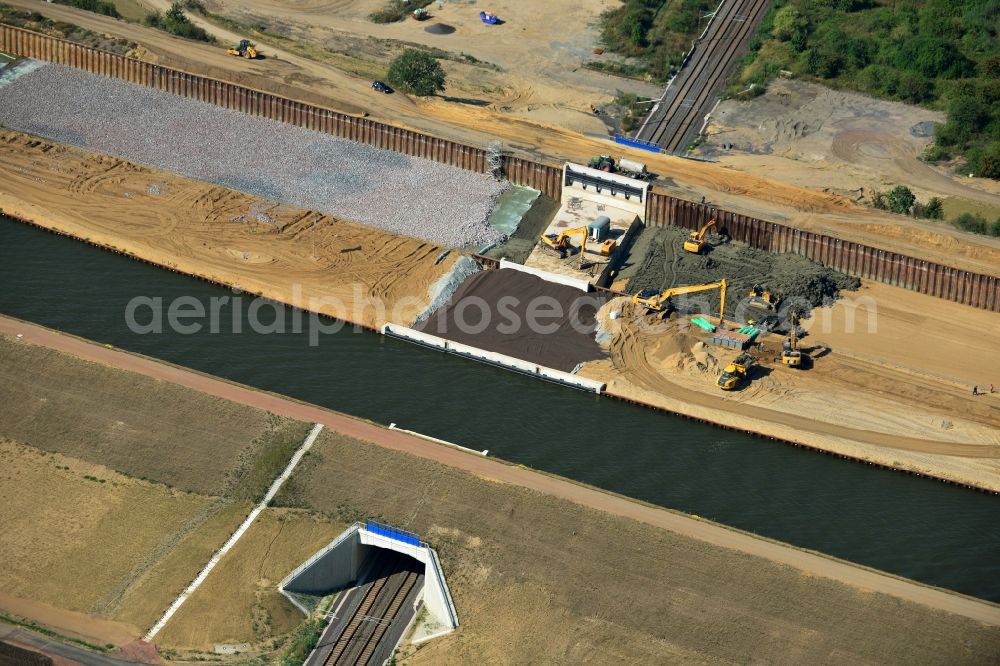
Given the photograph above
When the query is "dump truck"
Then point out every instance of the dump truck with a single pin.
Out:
(736, 373)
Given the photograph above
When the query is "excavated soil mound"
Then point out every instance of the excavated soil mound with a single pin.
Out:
(658, 261)
(520, 315)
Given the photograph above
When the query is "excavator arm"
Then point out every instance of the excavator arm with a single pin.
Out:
(657, 302)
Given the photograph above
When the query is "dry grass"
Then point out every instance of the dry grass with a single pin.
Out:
(77, 535)
(245, 584)
(537, 579)
(142, 427)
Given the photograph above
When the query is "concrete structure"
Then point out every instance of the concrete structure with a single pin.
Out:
(493, 358)
(587, 196)
(339, 565)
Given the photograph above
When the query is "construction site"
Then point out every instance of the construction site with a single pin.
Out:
(608, 266)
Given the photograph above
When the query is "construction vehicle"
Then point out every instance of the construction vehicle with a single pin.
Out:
(659, 301)
(603, 163)
(695, 241)
(791, 355)
(245, 49)
(761, 297)
(559, 244)
(736, 373)
(624, 166)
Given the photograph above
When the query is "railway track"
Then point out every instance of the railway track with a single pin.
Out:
(381, 603)
(676, 120)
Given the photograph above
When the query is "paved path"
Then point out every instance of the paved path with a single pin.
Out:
(70, 654)
(808, 563)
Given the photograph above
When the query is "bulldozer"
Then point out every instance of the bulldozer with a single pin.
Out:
(736, 373)
(245, 49)
(695, 242)
(791, 355)
(659, 301)
(761, 297)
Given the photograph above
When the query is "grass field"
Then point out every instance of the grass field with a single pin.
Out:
(144, 428)
(246, 584)
(542, 580)
(80, 536)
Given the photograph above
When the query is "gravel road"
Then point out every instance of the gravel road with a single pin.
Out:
(397, 193)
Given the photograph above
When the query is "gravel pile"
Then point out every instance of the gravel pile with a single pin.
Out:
(397, 193)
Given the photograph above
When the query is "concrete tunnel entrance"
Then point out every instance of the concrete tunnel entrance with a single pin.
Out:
(384, 577)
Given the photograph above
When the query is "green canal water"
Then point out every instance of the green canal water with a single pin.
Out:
(918, 528)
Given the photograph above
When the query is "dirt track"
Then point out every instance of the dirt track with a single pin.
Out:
(356, 273)
(807, 562)
(301, 78)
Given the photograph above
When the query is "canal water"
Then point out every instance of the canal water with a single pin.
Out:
(918, 528)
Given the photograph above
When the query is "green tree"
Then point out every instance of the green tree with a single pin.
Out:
(416, 72)
(787, 22)
(934, 209)
(900, 199)
(176, 13)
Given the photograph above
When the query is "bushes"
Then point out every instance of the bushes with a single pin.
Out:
(176, 22)
(397, 10)
(920, 52)
(96, 6)
(657, 33)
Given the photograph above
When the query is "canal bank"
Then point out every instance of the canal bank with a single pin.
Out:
(913, 527)
(478, 463)
(357, 274)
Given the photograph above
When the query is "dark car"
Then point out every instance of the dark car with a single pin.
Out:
(381, 87)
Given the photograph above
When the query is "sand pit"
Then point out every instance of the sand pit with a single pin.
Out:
(387, 190)
(494, 310)
(289, 254)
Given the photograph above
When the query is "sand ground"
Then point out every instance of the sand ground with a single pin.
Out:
(837, 141)
(340, 268)
(911, 409)
(534, 575)
(315, 79)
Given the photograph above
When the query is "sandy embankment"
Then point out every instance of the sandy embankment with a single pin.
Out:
(295, 256)
(899, 412)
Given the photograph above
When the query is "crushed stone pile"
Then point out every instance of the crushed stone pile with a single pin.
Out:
(397, 193)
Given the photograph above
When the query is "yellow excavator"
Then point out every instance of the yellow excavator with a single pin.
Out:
(791, 355)
(762, 297)
(659, 301)
(696, 242)
(245, 49)
(560, 245)
(736, 372)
